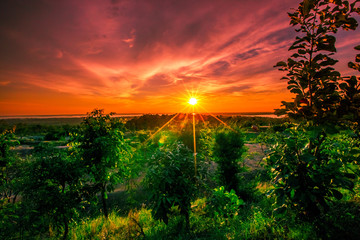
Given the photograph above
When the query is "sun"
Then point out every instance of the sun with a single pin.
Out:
(192, 101)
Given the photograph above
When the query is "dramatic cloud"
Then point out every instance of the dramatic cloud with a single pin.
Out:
(142, 56)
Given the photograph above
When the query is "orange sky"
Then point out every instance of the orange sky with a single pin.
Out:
(69, 57)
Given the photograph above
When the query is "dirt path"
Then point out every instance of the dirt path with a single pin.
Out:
(254, 156)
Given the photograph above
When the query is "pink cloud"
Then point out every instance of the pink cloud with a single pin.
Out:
(124, 49)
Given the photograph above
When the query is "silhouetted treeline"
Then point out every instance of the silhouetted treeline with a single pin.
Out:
(147, 122)
(152, 121)
(50, 132)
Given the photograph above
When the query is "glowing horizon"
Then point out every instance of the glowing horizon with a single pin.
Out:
(69, 57)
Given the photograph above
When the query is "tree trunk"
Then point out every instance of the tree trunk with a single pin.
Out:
(187, 221)
(15, 196)
(66, 228)
(105, 209)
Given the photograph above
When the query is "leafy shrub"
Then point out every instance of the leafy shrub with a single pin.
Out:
(170, 179)
(8, 219)
(223, 204)
(307, 178)
(227, 150)
(53, 135)
(9, 162)
(53, 188)
(341, 222)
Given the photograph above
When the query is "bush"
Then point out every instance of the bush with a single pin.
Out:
(307, 173)
(227, 150)
(170, 179)
(223, 204)
(53, 188)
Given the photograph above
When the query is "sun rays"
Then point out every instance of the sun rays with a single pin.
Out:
(192, 101)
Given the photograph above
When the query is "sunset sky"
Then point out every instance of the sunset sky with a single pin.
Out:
(147, 56)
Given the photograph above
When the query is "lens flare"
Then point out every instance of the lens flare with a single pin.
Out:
(192, 101)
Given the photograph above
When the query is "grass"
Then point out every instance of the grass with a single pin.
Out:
(131, 219)
(251, 223)
(100, 228)
(255, 220)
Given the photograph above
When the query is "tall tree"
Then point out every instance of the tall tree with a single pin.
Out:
(311, 75)
(104, 152)
(306, 175)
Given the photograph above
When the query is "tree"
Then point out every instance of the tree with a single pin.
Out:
(311, 75)
(104, 152)
(53, 187)
(227, 150)
(306, 176)
(170, 179)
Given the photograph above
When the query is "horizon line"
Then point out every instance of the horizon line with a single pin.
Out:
(124, 114)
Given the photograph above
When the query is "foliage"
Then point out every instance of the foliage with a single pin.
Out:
(224, 204)
(53, 127)
(253, 222)
(6, 142)
(8, 219)
(227, 151)
(308, 169)
(53, 187)
(257, 220)
(8, 166)
(350, 89)
(311, 75)
(341, 222)
(105, 154)
(345, 148)
(148, 121)
(306, 178)
(170, 178)
(185, 135)
(206, 142)
(115, 227)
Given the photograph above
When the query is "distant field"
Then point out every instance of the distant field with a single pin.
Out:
(60, 120)
(41, 121)
(44, 121)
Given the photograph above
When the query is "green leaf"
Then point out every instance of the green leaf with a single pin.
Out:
(301, 51)
(343, 86)
(296, 90)
(292, 193)
(281, 64)
(350, 175)
(338, 195)
(357, 59)
(354, 66)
